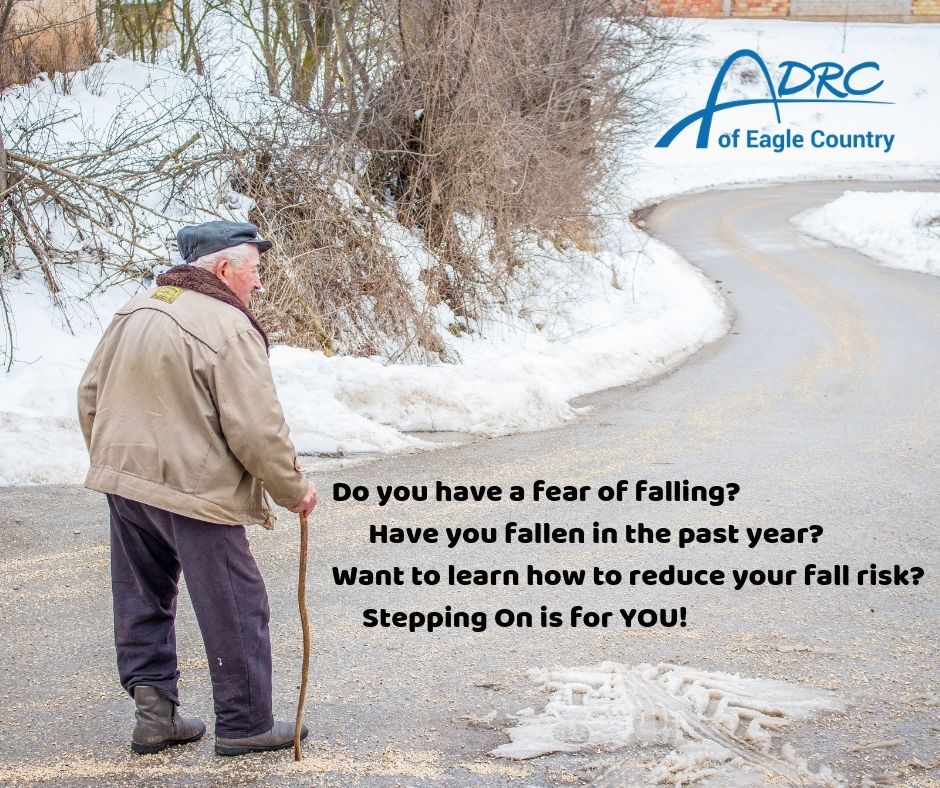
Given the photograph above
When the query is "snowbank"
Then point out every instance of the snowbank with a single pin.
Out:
(516, 379)
(520, 381)
(898, 229)
(40, 441)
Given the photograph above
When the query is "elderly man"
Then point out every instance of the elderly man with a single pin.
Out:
(187, 438)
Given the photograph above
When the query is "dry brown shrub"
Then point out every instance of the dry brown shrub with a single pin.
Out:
(482, 123)
(509, 110)
(51, 36)
(331, 283)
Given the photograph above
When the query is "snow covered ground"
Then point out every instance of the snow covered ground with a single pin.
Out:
(580, 323)
(609, 319)
(898, 229)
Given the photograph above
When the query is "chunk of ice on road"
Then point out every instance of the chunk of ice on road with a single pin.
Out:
(712, 721)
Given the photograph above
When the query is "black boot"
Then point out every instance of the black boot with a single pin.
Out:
(158, 725)
(280, 737)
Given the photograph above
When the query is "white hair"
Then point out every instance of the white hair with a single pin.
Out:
(236, 255)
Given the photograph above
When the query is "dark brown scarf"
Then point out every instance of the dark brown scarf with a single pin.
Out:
(190, 277)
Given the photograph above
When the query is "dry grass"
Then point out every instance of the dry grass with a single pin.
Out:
(50, 36)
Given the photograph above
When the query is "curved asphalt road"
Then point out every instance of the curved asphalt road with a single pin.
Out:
(822, 403)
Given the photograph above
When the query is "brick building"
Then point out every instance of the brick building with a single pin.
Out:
(864, 10)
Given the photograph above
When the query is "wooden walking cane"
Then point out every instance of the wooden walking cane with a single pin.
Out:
(305, 626)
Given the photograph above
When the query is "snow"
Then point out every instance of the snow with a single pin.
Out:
(510, 382)
(40, 440)
(520, 383)
(719, 727)
(898, 229)
(574, 323)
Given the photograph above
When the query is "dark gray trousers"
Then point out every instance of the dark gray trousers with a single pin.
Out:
(149, 549)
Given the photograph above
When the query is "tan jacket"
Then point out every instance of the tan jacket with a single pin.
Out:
(179, 411)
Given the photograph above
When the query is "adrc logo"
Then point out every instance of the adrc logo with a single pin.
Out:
(834, 84)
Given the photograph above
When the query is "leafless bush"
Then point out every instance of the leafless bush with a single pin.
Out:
(84, 210)
(510, 110)
(331, 282)
(98, 199)
(504, 116)
(321, 53)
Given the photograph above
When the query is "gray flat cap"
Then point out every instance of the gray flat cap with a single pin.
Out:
(198, 239)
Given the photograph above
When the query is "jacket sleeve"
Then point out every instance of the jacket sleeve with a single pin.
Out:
(252, 420)
(88, 394)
